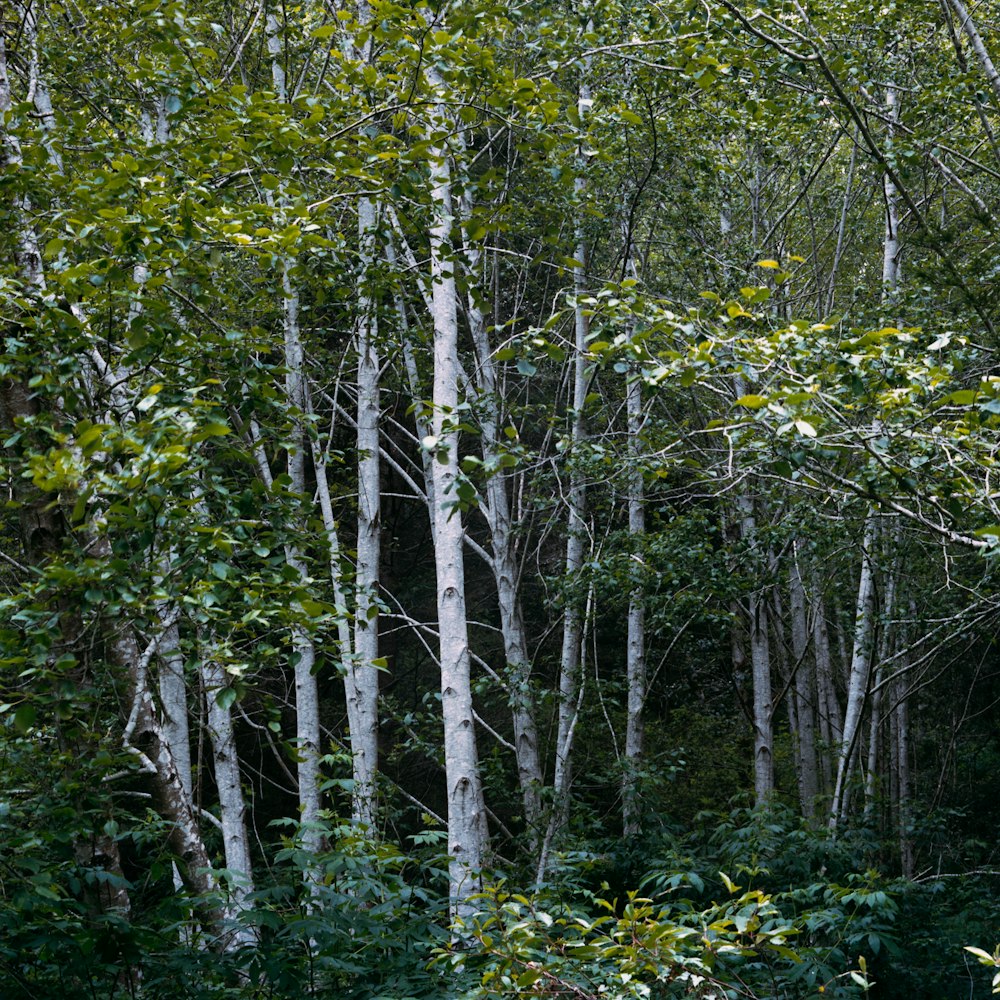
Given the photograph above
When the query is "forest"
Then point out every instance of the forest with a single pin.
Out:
(499, 499)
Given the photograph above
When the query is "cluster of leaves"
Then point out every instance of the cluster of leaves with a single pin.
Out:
(746, 946)
(370, 921)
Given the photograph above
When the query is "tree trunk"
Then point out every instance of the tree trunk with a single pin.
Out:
(576, 529)
(635, 650)
(507, 576)
(467, 831)
(857, 684)
(803, 693)
(363, 680)
(145, 738)
(760, 666)
(232, 806)
(27, 253)
(879, 718)
(903, 778)
(635, 656)
(506, 572)
(978, 46)
(307, 727)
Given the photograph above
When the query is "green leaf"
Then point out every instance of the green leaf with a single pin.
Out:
(752, 401)
(214, 428)
(984, 956)
(729, 884)
(24, 718)
(226, 698)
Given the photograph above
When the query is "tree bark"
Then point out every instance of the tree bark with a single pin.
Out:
(803, 694)
(635, 653)
(307, 726)
(857, 685)
(507, 577)
(576, 527)
(760, 664)
(467, 830)
(363, 678)
(978, 46)
(232, 806)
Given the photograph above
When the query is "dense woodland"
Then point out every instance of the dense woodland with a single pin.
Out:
(499, 499)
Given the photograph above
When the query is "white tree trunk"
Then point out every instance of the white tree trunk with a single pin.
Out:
(363, 678)
(143, 736)
(505, 565)
(803, 695)
(857, 683)
(978, 46)
(903, 778)
(307, 727)
(507, 576)
(635, 652)
(576, 530)
(27, 253)
(232, 806)
(173, 696)
(763, 714)
(879, 718)
(467, 830)
(760, 656)
(891, 248)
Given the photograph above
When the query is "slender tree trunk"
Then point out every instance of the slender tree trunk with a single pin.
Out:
(841, 230)
(173, 695)
(903, 778)
(760, 656)
(232, 806)
(507, 576)
(496, 511)
(506, 572)
(467, 830)
(363, 678)
(879, 718)
(144, 737)
(635, 661)
(576, 530)
(27, 253)
(857, 685)
(635, 654)
(978, 46)
(892, 248)
(831, 725)
(307, 726)
(803, 694)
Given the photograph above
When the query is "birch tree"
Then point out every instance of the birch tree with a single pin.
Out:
(576, 514)
(467, 830)
(303, 649)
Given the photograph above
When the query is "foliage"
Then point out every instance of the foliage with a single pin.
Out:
(704, 191)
